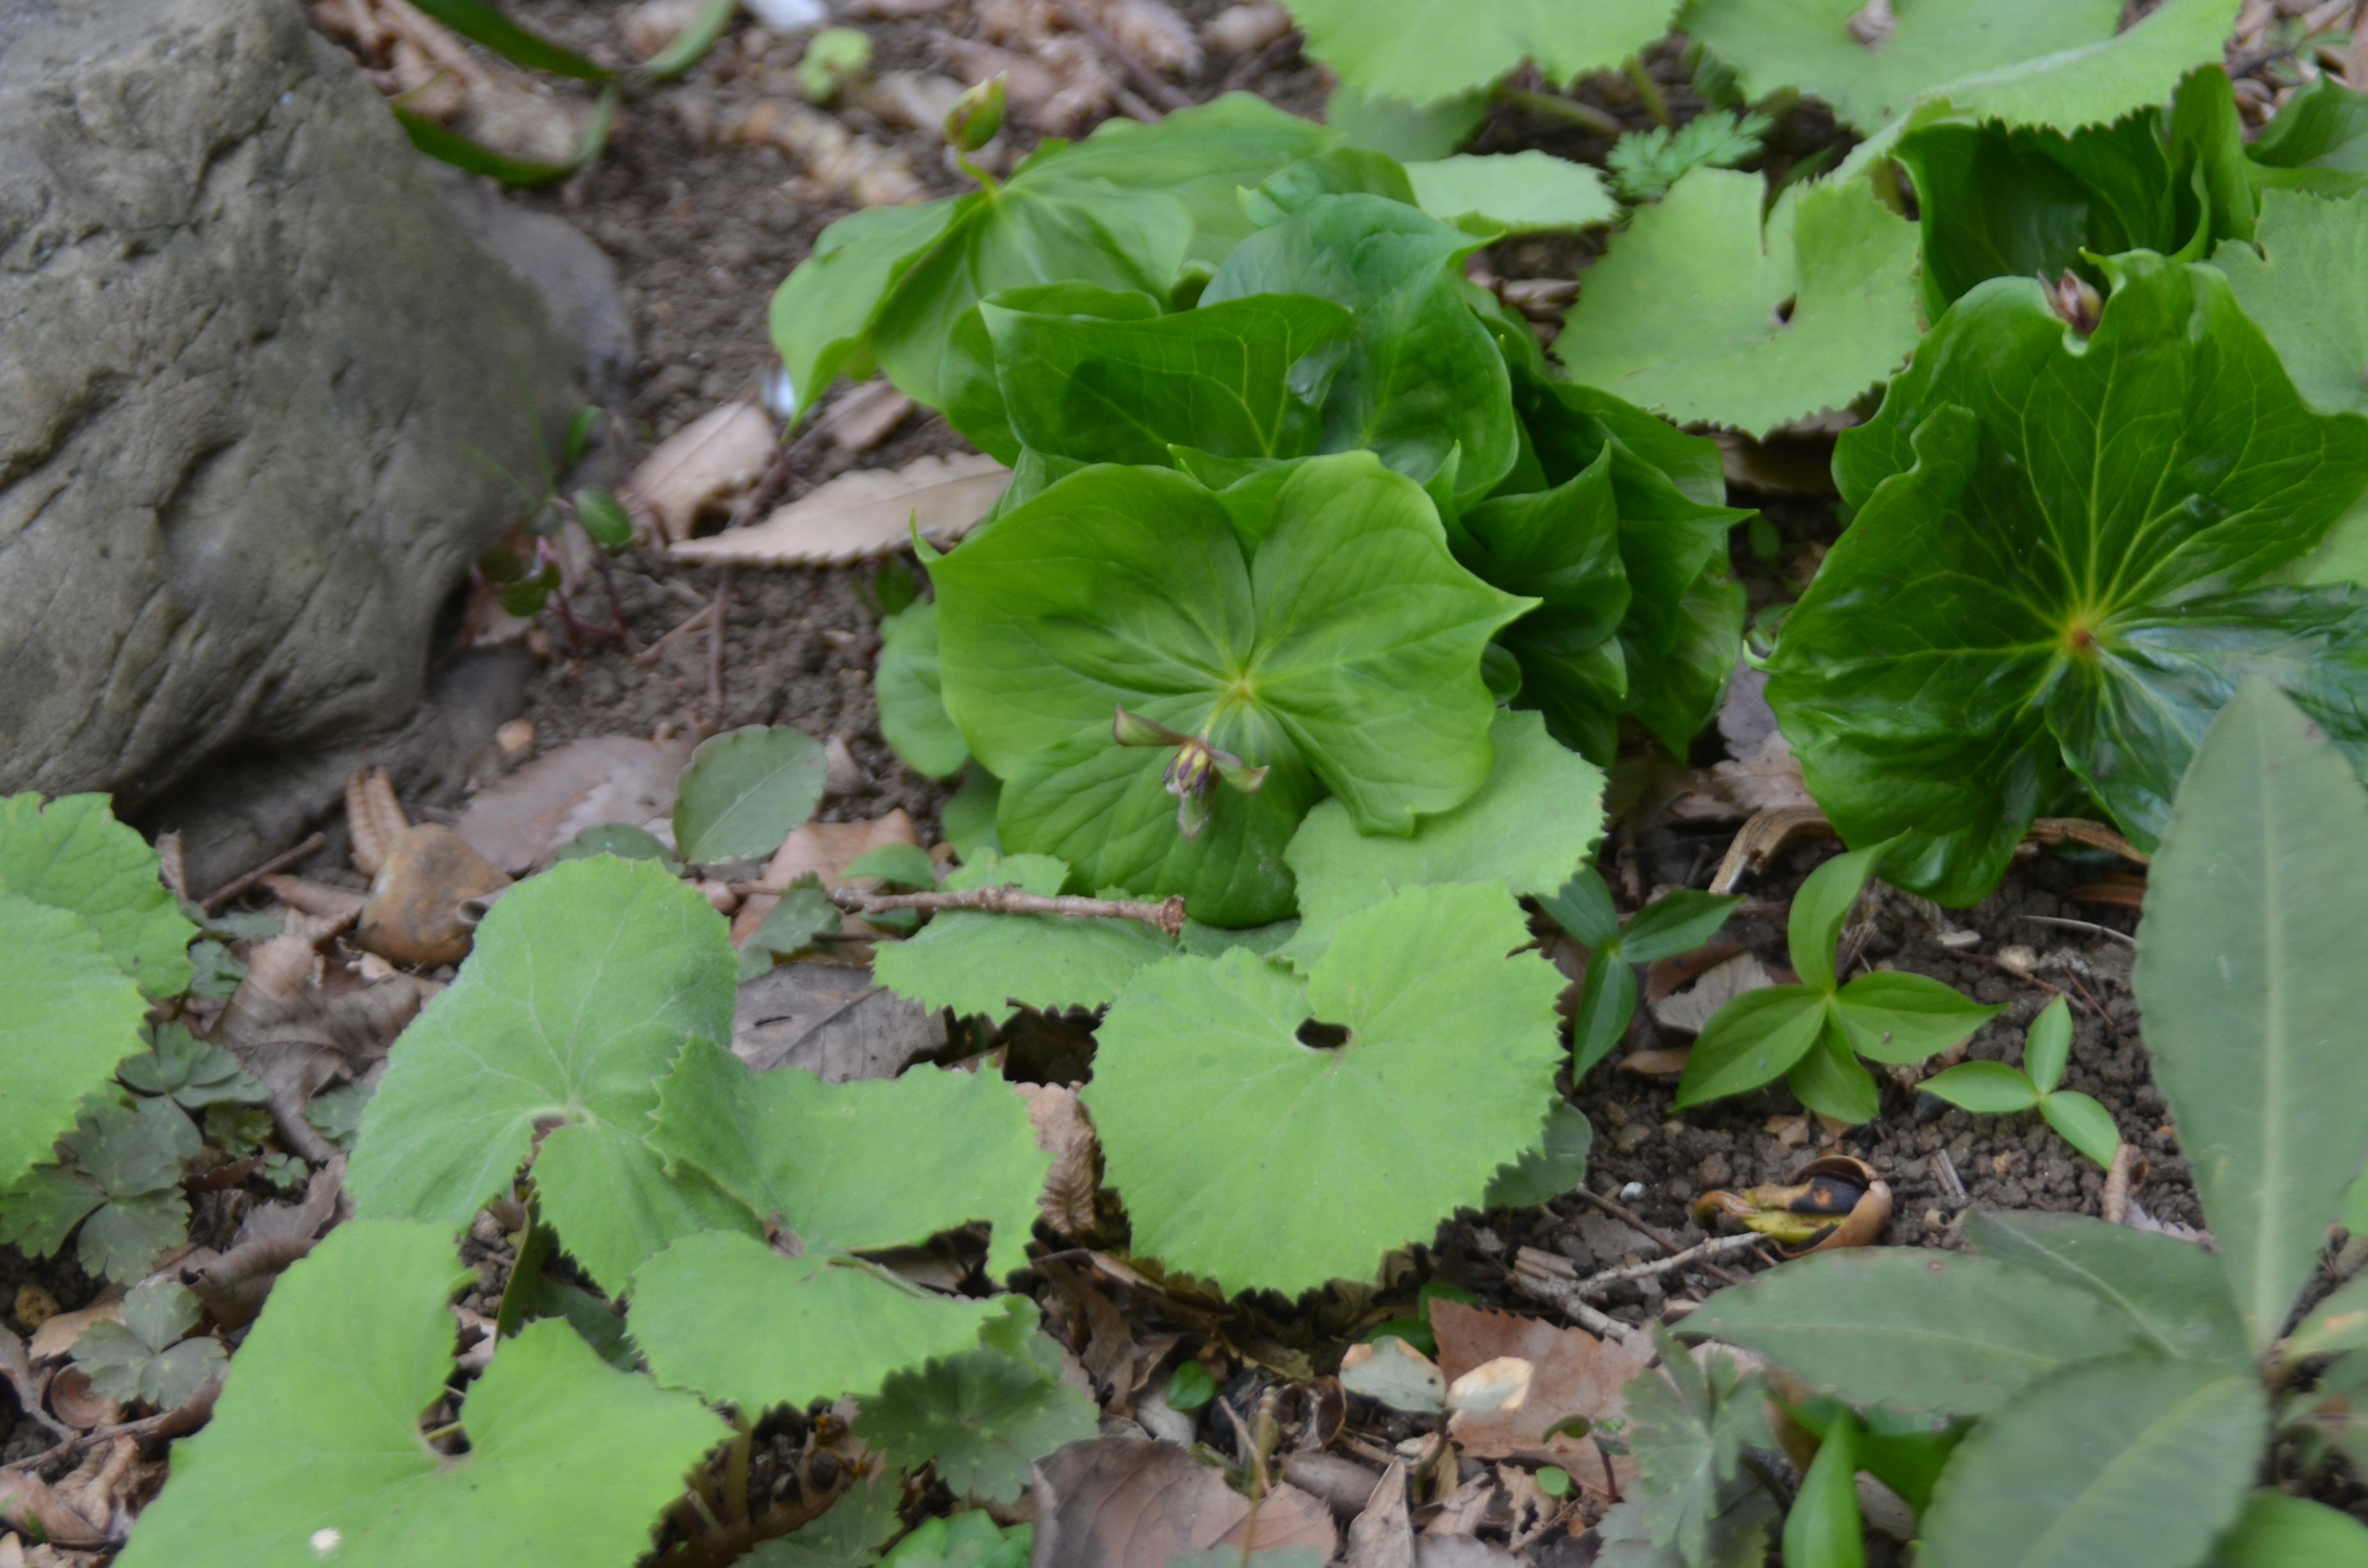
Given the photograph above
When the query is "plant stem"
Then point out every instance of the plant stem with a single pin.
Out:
(1647, 90)
(1167, 917)
(1554, 106)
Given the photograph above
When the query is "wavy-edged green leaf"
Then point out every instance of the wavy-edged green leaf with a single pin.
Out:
(585, 984)
(1249, 1156)
(2172, 1292)
(981, 1417)
(2242, 982)
(989, 964)
(1346, 651)
(2049, 572)
(2129, 1460)
(744, 790)
(1422, 377)
(1913, 1329)
(1526, 829)
(122, 1189)
(1703, 313)
(1511, 193)
(1419, 51)
(314, 1452)
(2299, 282)
(2279, 1531)
(148, 1355)
(1687, 1425)
(1555, 1166)
(73, 854)
(72, 1014)
(912, 709)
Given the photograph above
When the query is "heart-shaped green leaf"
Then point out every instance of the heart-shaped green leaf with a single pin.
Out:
(2051, 571)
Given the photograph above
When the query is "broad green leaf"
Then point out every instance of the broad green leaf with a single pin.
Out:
(985, 964)
(1754, 1040)
(123, 1189)
(1344, 655)
(1820, 907)
(315, 1451)
(72, 1014)
(1657, 470)
(1897, 1017)
(1822, 1529)
(1407, 132)
(74, 855)
(968, 818)
(1249, 1156)
(2129, 1460)
(192, 1075)
(972, 1540)
(585, 984)
(1548, 1171)
(146, 1355)
(2047, 1045)
(983, 1416)
(2339, 1323)
(1422, 377)
(1704, 314)
(1913, 1329)
(974, 403)
(802, 916)
(827, 1163)
(744, 790)
(2242, 981)
(625, 842)
(2171, 1292)
(2279, 1531)
(2299, 282)
(2318, 142)
(1677, 693)
(1511, 193)
(2048, 571)
(1340, 171)
(1526, 829)
(821, 316)
(1811, 45)
(1243, 378)
(1986, 1088)
(1421, 52)
(2082, 1123)
(912, 711)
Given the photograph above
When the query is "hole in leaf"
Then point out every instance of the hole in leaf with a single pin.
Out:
(1783, 313)
(1323, 1037)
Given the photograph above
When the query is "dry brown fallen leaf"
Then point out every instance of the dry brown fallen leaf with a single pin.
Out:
(1383, 1535)
(272, 1236)
(299, 1026)
(1063, 1133)
(1132, 1503)
(832, 1020)
(403, 52)
(29, 1504)
(715, 456)
(54, 1340)
(1687, 1005)
(1573, 1375)
(426, 898)
(520, 823)
(1245, 28)
(864, 514)
(860, 418)
(821, 849)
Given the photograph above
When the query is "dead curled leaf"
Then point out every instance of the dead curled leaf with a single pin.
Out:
(1132, 1503)
(715, 456)
(298, 1026)
(430, 891)
(1686, 992)
(1832, 1201)
(831, 1020)
(1063, 1133)
(864, 514)
(520, 823)
(1573, 1377)
(821, 849)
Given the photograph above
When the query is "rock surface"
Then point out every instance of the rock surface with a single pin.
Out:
(258, 395)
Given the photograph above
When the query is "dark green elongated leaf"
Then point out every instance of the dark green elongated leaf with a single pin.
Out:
(1567, 424)
(1422, 376)
(744, 790)
(2172, 1292)
(912, 709)
(2279, 1531)
(1813, 926)
(1583, 907)
(1607, 1001)
(1347, 650)
(451, 147)
(2295, 281)
(1823, 1529)
(2217, 198)
(1754, 1040)
(2318, 142)
(1914, 1330)
(2082, 1123)
(967, 376)
(2129, 1460)
(2048, 571)
(1674, 694)
(1892, 1017)
(2242, 979)
(1830, 1080)
(1676, 923)
(521, 46)
(2047, 1048)
(1905, 1453)
(820, 319)
(1241, 379)
(1986, 1088)
(690, 45)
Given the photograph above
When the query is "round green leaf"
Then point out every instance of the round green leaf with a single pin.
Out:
(72, 1014)
(1249, 1156)
(744, 790)
(74, 855)
(2128, 1459)
(1512, 193)
(983, 1416)
(1986, 1088)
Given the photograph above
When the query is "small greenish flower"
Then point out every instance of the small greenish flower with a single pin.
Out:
(1194, 770)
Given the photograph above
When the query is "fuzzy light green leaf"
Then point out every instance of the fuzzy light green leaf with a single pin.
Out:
(1247, 1155)
(1529, 827)
(1700, 314)
(585, 985)
(2241, 981)
(1420, 51)
(314, 1455)
(2279, 1531)
(72, 1014)
(981, 1417)
(2172, 1292)
(74, 855)
(2299, 282)
(1511, 193)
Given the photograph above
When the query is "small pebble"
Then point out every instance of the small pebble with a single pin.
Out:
(1632, 1192)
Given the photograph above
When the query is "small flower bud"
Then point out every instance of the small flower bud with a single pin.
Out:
(976, 116)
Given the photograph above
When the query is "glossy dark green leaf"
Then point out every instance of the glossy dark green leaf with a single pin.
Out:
(1583, 907)
(1823, 1529)
(912, 708)
(1675, 694)
(1422, 377)
(1986, 1088)
(1343, 171)
(1894, 1017)
(1607, 1001)
(474, 157)
(1830, 1080)
(1676, 923)
(1820, 905)
(2049, 576)
(967, 375)
(2171, 1292)
(480, 21)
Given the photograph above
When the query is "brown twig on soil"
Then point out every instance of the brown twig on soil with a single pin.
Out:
(1556, 107)
(2088, 925)
(1548, 1264)
(1167, 917)
(1163, 92)
(2081, 830)
(695, 621)
(1637, 1223)
(164, 1423)
(238, 887)
(1563, 1295)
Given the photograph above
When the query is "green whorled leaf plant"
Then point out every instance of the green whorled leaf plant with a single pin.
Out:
(1812, 1034)
(2122, 1386)
(2059, 571)
(1337, 650)
(1675, 923)
(1993, 1088)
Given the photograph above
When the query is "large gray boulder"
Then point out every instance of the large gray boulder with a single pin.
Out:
(258, 390)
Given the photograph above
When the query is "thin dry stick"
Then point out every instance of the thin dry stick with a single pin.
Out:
(1563, 1295)
(1163, 92)
(1637, 1223)
(1168, 917)
(238, 887)
(2088, 926)
(1546, 1265)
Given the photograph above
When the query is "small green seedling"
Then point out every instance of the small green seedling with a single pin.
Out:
(1993, 1088)
(835, 60)
(1673, 924)
(527, 572)
(1812, 1034)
